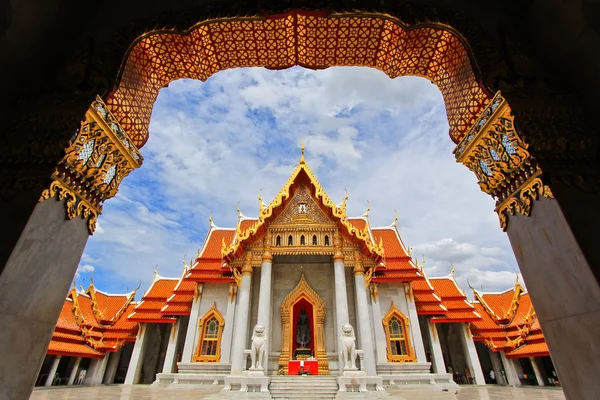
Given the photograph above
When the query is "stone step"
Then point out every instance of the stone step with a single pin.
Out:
(303, 395)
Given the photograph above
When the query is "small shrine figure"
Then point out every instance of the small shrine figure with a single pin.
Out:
(303, 330)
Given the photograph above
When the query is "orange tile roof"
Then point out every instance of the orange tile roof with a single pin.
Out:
(530, 350)
(245, 224)
(176, 309)
(66, 319)
(72, 349)
(459, 309)
(447, 288)
(214, 242)
(160, 289)
(359, 223)
(486, 322)
(391, 242)
(457, 316)
(430, 309)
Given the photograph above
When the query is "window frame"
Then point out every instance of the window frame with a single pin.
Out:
(202, 326)
(405, 324)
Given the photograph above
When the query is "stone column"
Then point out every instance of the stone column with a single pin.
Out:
(471, 357)
(241, 319)
(171, 354)
(228, 328)
(192, 330)
(380, 341)
(42, 264)
(415, 327)
(437, 356)
(497, 366)
(264, 297)
(52, 372)
(137, 357)
(73, 374)
(341, 296)
(366, 339)
(95, 374)
(509, 369)
(567, 299)
(536, 370)
(113, 365)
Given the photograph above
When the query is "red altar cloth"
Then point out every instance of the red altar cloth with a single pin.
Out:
(309, 365)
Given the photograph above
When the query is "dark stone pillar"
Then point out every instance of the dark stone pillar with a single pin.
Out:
(33, 285)
(563, 288)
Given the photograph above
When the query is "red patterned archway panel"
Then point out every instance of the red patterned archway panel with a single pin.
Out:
(309, 39)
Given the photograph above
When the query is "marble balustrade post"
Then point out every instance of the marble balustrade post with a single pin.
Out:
(241, 320)
(538, 374)
(74, 369)
(113, 365)
(192, 329)
(137, 356)
(171, 354)
(470, 352)
(264, 297)
(52, 372)
(228, 328)
(380, 340)
(366, 339)
(437, 356)
(415, 327)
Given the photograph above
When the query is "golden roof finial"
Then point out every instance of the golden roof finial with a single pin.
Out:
(366, 214)
(302, 156)
(452, 270)
(212, 224)
(198, 253)
(155, 270)
(472, 288)
(395, 223)
(260, 202)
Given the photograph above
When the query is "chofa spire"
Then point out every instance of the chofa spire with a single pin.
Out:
(302, 161)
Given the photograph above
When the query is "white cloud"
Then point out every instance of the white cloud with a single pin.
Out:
(218, 142)
(84, 269)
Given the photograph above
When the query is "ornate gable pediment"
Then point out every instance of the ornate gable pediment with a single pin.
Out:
(302, 209)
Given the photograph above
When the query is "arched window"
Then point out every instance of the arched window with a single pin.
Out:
(397, 335)
(290, 240)
(302, 240)
(211, 329)
(278, 241)
(315, 240)
(326, 240)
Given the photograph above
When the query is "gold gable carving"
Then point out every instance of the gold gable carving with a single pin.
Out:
(302, 209)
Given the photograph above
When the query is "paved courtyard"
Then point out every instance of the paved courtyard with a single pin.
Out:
(144, 392)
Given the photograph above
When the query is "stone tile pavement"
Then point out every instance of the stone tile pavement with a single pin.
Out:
(146, 392)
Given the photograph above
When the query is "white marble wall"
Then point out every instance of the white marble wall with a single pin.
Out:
(213, 293)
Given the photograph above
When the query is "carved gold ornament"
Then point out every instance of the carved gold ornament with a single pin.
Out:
(97, 159)
(303, 291)
(495, 153)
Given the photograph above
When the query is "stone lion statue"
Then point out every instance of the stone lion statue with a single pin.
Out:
(259, 341)
(348, 344)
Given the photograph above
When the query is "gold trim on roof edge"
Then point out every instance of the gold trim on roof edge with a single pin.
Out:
(376, 249)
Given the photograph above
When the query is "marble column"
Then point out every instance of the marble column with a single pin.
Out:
(364, 327)
(171, 354)
(228, 328)
(264, 297)
(497, 367)
(437, 356)
(415, 327)
(192, 329)
(240, 337)
(113, 365)
(74, 369)
(52, 372)
(567, 299)
(341, 296)
(536, 370)
(509, 369)
(470, 352)
(96, 371)
(137, 356)
(380, 340)
(42, 264)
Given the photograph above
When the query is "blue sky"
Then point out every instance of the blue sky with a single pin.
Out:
(216, 143)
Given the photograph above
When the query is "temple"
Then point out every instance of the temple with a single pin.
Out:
(302, 289)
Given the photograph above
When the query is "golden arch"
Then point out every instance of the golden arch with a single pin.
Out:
(393, 338)
(303, 291)
(209, 336)
(309, 39)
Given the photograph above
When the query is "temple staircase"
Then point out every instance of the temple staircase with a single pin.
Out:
(303, 387)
